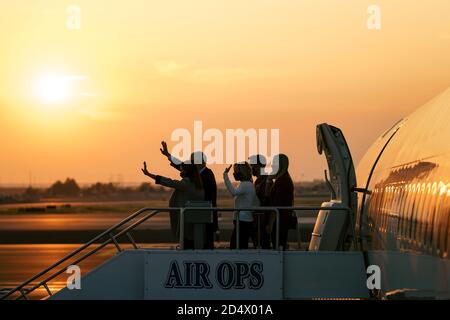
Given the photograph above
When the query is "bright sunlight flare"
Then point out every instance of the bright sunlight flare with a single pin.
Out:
(52, 88)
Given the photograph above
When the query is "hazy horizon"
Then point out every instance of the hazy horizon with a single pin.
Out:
(119, 183)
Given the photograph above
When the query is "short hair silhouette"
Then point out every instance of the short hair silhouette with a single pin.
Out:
(198, 157)
(258, 159)
(243, 170)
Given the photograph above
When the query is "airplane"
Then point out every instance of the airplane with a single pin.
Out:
(384, 234)
(401, 219)
(403, 215)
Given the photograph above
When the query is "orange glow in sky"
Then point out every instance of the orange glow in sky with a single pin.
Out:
(93, 102)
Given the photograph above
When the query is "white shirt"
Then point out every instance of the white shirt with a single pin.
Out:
(244, 196)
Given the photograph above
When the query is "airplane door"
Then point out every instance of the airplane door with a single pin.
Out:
(331, 142)
(334, 228)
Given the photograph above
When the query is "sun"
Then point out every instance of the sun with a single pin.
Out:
(52, 89)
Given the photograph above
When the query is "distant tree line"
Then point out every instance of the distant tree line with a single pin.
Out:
(67, 188)
(70, 188)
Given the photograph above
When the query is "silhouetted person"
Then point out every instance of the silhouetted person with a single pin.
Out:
(244, 196)
(209, 186)
(281, 194)
(260, 236)
(189, 188)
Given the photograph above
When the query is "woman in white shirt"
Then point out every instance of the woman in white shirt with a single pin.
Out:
(244, 196)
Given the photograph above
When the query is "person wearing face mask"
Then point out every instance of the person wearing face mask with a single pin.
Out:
(244, 196)
(281, 194)
(189, 188)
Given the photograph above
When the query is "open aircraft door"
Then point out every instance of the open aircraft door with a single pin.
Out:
(334, 229)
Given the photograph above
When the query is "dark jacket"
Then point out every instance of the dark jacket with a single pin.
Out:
(184, 190)
(282, 195)
(210, 188)
(260, 189)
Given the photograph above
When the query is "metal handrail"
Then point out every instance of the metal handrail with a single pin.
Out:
(154, 210)
(235, 210)
(257, 209)
(75, 252)
(88, 254)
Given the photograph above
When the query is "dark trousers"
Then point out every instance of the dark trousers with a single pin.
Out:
(210, 231)
(265, 239)
(188, 244)
(245, 230)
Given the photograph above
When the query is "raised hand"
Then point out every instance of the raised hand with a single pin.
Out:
(227, 169)
(144, 170)
(164, 149)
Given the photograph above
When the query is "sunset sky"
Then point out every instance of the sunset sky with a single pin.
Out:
(93, 103)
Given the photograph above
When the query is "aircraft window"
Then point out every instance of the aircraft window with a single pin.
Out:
(443, 226)
(385, 209)
(434, 207)
(424, 215)
(446, 233)
(407, 221)
(430, 215)
(411, 212)
(401, 211)
(440, 228)
(419, 213)
(388, 216)
(404, 213)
